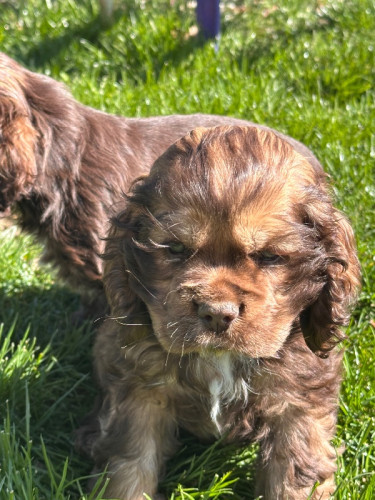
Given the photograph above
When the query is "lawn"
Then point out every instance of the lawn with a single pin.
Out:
(304, 67)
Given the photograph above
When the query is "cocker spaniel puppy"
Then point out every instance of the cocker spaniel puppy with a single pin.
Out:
(65, 166)
(229, 274)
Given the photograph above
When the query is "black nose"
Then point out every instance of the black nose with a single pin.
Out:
(219, 316)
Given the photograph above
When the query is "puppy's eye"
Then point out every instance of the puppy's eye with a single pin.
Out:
(176, 247)
(266, 258)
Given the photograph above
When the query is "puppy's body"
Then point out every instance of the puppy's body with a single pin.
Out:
(228, 267)
(149, 393)
(64, 167)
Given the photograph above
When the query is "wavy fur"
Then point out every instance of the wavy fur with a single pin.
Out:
(226, 269)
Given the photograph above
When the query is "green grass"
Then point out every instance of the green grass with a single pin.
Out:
(304, 67)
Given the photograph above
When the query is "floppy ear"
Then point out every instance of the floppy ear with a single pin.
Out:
(120, 297)
(120, 267)
(321, 321)
(18, 142)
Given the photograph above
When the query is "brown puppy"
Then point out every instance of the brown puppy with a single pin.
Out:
(64, 166)
(229, 274)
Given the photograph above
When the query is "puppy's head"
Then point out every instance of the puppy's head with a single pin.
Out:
(232, 243)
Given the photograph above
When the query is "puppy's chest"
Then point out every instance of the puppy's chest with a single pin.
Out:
(212, 387)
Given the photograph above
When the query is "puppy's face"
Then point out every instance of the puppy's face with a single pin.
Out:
(224, 251)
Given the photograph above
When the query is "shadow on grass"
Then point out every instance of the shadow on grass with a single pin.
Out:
(52, 305)
(46, 383)
(46, 351)
(50, 47)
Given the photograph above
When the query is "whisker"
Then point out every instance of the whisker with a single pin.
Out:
(168, 353)
(140, 282)
(133, 324)
(118, 318)
(101, 318)
(192, 255)
(175, 224)
(182, 350)
(170, 325)
(132, 344)
(174, 332)
(166, 297)
(159, 223)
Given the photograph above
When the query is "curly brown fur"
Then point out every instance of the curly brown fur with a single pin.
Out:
(227, 268)
(65, 166)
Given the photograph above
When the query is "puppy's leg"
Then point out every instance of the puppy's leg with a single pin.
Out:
(137, 436)
(296, 454)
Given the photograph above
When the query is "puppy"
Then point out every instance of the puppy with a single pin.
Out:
(228, 274)
(65, 166)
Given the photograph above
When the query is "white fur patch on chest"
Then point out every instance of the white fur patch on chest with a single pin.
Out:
(224, 386)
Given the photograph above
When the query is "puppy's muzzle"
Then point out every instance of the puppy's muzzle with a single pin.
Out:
(217, 316)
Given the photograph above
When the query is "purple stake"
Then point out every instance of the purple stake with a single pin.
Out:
(208, 17)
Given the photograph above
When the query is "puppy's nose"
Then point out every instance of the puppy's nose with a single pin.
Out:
(218, 316)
